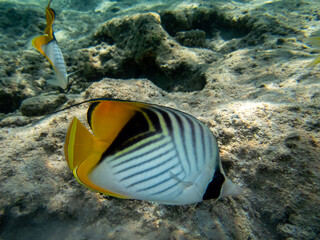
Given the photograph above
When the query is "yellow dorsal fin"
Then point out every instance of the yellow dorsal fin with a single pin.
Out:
(107, 117)
(39, 41)
(49, 3)
(50, 14)
(83, 151)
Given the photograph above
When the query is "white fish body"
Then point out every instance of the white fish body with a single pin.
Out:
(158, 154)
(54, 54)
(47, 45)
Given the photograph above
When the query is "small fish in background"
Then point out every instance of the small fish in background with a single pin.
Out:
(48, 46)
(314, 40)
(146, 152)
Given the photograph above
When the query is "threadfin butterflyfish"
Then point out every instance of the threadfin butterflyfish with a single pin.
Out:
(314, 40)
(146, 152)
(48, 46)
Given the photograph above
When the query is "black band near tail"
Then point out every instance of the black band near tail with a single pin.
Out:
(214, 187)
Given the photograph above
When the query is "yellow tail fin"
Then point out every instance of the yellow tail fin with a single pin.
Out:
(80, 144)
(83, 152)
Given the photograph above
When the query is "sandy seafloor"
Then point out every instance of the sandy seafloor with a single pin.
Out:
(238, 66)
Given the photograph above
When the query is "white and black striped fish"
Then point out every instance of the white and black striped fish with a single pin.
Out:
(147, 152)
(48, 46)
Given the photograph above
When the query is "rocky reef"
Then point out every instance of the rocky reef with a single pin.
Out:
(239, 67)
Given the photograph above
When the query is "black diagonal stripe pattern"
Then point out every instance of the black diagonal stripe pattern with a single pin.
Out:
(58, 55)
(155, 142)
